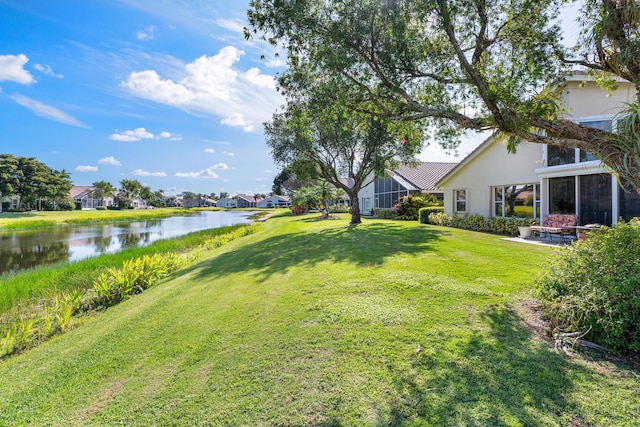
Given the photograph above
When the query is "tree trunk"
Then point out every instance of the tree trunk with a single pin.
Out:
(355, 208)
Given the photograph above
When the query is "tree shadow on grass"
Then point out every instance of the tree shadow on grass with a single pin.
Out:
(364, 246)
(499, 377)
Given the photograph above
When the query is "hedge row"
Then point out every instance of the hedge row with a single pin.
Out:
(385, 213)
(496, 225)
(423, 213)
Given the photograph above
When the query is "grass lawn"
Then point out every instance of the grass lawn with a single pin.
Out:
(315, 322)
(12, 220)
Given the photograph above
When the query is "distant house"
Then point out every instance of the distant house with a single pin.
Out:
(385, 192)
(9, 202)
(275, 201)
(82, 194)
(227, 202)
(198, 202)
(246, 201)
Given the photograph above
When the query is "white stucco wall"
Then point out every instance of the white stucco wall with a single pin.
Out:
(492, 166)
(586, 98)
(364, 193)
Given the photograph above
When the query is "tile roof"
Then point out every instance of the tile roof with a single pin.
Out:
(425, 175)
(77, 190)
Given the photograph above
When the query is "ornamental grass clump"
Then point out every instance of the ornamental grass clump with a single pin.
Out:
(594, 286)
(136, 275)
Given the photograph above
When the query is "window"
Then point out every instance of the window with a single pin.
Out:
(388, 191)
(586, 156)
(366, 204)
(460, 200)
(563, 156)
(562, 195)
(521, 201)
(560, 156)
(595, 199)
(629, 202)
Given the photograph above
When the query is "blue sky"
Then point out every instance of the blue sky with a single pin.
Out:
(167, 92)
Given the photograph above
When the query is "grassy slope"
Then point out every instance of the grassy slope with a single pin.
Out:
(318, 323)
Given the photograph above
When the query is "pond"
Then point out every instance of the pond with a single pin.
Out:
(22, 249)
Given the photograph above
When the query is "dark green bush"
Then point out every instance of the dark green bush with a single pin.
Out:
(423, 214)
(595, 285)
(408, 207)
(101, 208)
(339, 209)
(385, 213)
(497, 225)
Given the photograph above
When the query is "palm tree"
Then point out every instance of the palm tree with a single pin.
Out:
(305, 197)
(325, 193)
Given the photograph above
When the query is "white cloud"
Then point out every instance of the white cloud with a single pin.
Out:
(140, 134)
(276, 63)
(268, 171)
(236, 119)
(86, 169)
(140, 172)
(45, 69)
(232, 25)
(222, 166)
(47, 111)
(256, 78)
(207, 173)
(229, 153)
(214, 85)
(146, 34)
(209, 150)
(132, 135)
(12, 69)
(109, 161)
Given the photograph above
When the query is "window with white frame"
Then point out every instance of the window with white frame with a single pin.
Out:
(562, 156)
(460, 200)
(521, 201)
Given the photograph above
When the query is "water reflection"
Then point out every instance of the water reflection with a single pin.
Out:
(32, 248)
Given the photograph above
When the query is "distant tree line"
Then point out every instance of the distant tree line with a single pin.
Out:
(37, 185)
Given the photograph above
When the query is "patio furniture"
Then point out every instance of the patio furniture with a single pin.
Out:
(563, 225)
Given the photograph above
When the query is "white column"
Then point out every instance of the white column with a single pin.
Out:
(615, 200)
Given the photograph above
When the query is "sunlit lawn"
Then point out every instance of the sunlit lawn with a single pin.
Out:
(9, 220)
(315, 322)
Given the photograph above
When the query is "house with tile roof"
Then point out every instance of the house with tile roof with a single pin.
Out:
(227, 202)
(81, 194)
(246, 201)
(384, 192)
(275, 201)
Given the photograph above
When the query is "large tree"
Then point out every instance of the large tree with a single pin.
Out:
(477, 64)
(33, 181)
(347, 148)
(10, 176)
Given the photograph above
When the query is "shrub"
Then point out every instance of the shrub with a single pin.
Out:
(385, 213)
(439, 218)
(297, 209)
(594, 285)
(423, 213)
(408, 207)
(496, 225)
(339, 209)
(101, 208)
